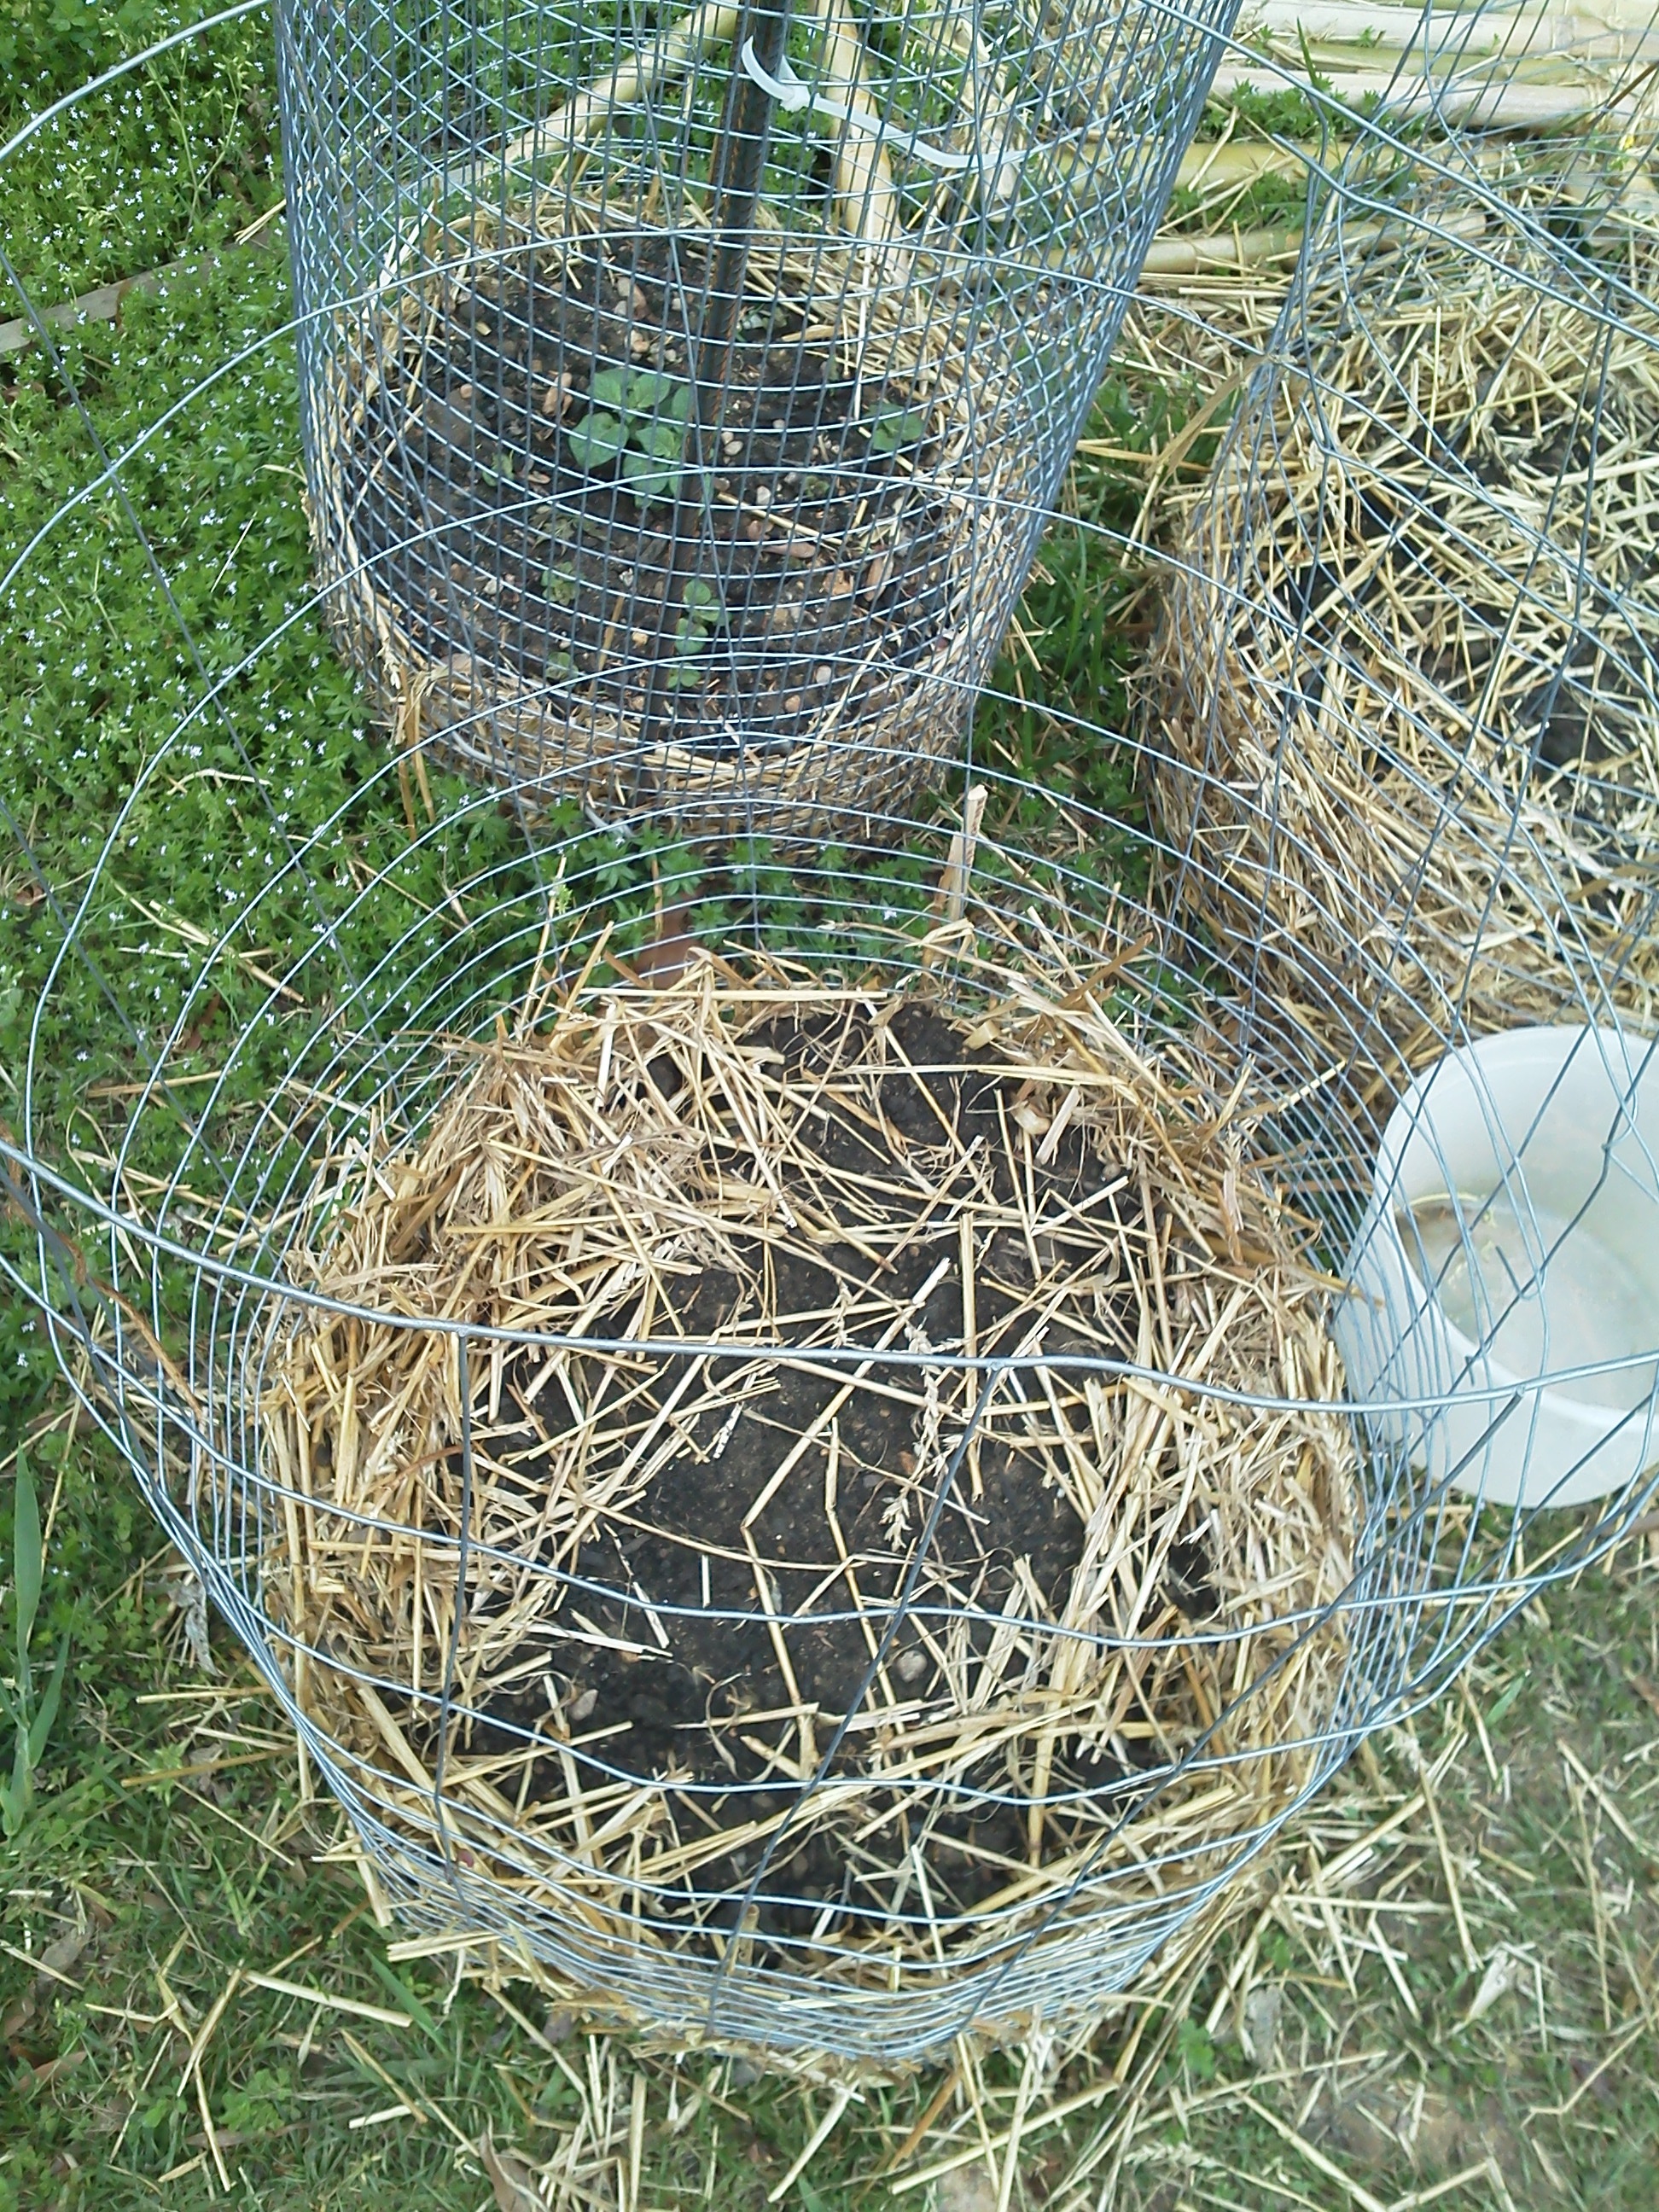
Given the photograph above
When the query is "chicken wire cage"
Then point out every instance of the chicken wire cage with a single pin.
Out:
(774, 1418)
(1404, 691)
(683, 385)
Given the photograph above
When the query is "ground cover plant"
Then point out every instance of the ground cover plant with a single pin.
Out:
(1444, 1994)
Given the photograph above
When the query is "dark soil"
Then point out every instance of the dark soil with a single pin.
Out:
(688, 1698)
(493, 530)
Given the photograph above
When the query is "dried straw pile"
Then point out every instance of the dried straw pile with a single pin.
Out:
(1404, 702)
(509, 613)
(682, 1567)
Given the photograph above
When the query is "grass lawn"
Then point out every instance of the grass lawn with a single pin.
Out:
(1441, 1991)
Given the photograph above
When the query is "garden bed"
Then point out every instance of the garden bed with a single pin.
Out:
(763, 1637)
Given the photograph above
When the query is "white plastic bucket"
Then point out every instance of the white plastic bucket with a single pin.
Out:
(1512, 1241)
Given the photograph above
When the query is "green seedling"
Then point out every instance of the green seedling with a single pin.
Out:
(642, 418)
(703, 616)
(596, 440)
(892, 429)
(31, 1721)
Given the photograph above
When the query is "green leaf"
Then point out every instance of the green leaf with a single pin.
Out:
(399, 1989)
(649, 478)
(27, 1558)
(596, 440)
(48, 1713)
(654, 391)
(894, 426)
(646, 389)
(1194, 2050)
(611, 387)
(1497, 1712)
(665, 440)
(700, 593)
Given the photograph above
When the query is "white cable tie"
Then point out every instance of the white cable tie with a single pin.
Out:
(793, 96)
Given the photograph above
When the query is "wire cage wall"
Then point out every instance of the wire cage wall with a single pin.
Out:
(682, 385)
(654, 1682)
(820, 1443)
(1408, 631)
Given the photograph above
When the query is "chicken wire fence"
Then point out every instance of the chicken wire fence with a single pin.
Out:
(682, 383)
(780, 1418)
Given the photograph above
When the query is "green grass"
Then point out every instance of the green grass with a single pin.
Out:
(168, 1850)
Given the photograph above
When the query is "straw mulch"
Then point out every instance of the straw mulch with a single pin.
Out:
(683, 1566)
(520, 608)
(1403, 704)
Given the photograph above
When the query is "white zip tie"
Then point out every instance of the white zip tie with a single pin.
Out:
(793, 96)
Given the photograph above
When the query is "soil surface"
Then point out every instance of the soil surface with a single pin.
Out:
(497, 522)
(693, 1688)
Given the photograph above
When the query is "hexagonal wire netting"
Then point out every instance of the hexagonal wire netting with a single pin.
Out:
(772, 1412)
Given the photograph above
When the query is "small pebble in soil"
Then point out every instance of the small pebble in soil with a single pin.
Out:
(763, 495)
(823, 673)
(911, 1666)
(584, 1705)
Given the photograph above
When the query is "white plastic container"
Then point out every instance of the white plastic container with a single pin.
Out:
(1512, 1239)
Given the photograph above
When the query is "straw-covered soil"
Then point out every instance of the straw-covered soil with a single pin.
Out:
(708, 1568)
(1403, 695)
(581, 549)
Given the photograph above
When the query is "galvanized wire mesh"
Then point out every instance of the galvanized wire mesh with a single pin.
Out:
(1407, 680)
(1403, 708)
(265, 1006)
(681, 385)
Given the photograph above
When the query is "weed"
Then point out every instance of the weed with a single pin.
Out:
(30, 1717)
(702, 617)
(892, 429)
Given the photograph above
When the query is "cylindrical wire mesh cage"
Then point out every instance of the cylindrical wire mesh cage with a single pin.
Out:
(684, 386)
(1406, 681)
(775, 1417)
(800, 1481)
